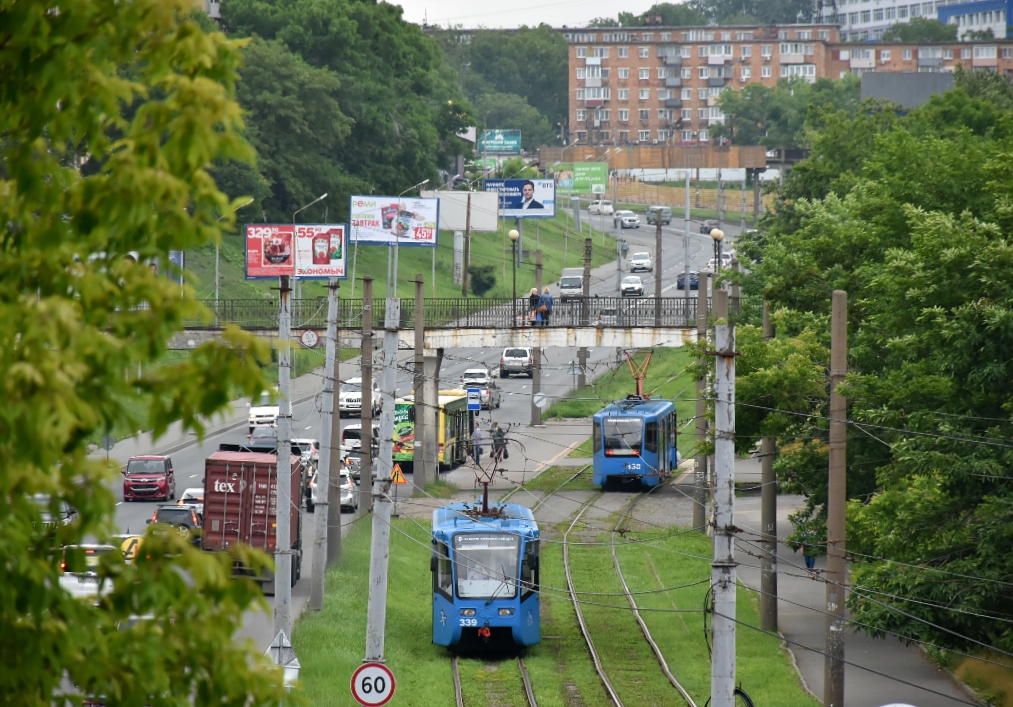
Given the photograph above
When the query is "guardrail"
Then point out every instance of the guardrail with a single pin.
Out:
(460, 313)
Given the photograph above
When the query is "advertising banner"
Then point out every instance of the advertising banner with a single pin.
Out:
(500, 142)
(382, 220)
(581, 178)
(524, 198)
(404, 432)
(306, 251)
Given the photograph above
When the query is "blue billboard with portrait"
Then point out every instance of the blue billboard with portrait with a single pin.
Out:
(524, 198)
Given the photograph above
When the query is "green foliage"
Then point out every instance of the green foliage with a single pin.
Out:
(143, 97)
(511, 111)
(482, 279)
(978, 35)
(995, 88)
(920, 29)
(672, 15)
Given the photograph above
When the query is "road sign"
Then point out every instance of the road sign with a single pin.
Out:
(309, 338)
(474, 399)
(397, 476)
(130, 546)
(108, 442)
(541, 401)
(372, 684)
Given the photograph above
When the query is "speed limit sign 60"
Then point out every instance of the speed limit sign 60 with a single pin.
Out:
(373, 684)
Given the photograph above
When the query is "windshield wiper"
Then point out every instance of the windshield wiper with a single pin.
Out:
(503, 583)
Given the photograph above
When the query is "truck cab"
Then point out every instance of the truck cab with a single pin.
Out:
(571, 284)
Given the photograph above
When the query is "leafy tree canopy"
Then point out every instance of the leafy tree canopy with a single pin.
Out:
(110, 114)
(920, 29)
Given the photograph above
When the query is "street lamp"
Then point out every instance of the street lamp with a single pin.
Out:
(390, 279)
(298, 282)
(514, 235)
(718, 235)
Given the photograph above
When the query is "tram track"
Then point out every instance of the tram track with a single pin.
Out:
(529, 691)
(543, 499)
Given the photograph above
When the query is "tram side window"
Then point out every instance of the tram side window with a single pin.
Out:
(597, 436)
(623, 436)
(529, 570)
(651, 437)
(444, 578)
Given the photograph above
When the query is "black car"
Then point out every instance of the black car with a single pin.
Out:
(185, 520)
(694, 281)
(708, 226)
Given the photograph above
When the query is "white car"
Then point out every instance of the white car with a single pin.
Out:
(79, 571)
(626, 219)
(193, 497)
(310, 449)
(351, 438)
(632, 286)
(349, 494)
(726, 261)
(599, 208)
(641, 261)
(350, 397)
(480, 378)
(263, 412)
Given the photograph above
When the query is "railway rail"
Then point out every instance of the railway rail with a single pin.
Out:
(529, 691)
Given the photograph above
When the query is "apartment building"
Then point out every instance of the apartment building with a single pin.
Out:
(980, 15)
(867, 20)
(658, 85)
(921, 58)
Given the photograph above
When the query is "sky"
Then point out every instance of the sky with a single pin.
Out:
(471, 14)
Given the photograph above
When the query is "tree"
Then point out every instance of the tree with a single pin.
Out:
(506, 110)
(978, 35)
(144, 97)
(920, 29)
(482, 279)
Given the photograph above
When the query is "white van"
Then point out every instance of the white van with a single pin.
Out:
(351, 438)
(603, 207)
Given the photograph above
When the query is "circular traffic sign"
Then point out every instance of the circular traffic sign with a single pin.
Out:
(372, 684)
(309, 338)
(541, 400)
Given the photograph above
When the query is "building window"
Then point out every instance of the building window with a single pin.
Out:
(624, 52)
(805, 70)
(624, 94)
(581, 52)
(647, 37)
(852, 18)
(645, 94)
(746, 74)
(663, 135)
(701, 93)
(581, 115)
(601, 52)
(947, 53)
(663, 94)
(744, 36)
(687, 73)
(703, 50)
(726, 36)
(624, 115)
(686, 114)
(767, 50)
(664, 114)
(765, 72)
(581, 136)
(624, 73)
(703, 138)
(644, 135)
(581, 72)
(865, 16)
(645, 74)
(643, 52)
(884, 55)
(687, 94)
(902, 12)
(687, 136)
(783, 34)
(747, 50)
(686, 52)
(605, 72)
(916, 10)
(703, 113)
(877, 15)
(1007, 53)
(581, 94)
(906, 54)
(602, 114)
(703, 72)
(824, 34)
(928, 9)
(624, 136)
(645, 114)
(804, 34)
(985, 52)
(965, 53)
(666, 36)
(662, 72)
(930, 52)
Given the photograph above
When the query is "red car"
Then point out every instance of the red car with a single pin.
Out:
(149, 477)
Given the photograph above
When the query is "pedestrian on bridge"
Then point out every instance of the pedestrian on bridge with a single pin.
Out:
(533, 300)
(545, 306)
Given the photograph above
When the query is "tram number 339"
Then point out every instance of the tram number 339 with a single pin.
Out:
(373, 684)
(469, 622)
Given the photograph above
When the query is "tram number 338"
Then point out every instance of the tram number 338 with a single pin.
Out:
(373, 684)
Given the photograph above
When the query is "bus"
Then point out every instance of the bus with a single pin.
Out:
(453, 434)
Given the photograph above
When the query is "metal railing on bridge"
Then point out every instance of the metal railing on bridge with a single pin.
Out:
(461, 313)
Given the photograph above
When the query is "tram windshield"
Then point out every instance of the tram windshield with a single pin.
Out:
(623, 436)
(486, 565)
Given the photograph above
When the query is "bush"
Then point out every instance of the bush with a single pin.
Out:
(482, 279)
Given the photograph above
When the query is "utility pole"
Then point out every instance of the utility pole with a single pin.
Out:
(717, 200)
(658, 269)
(837, 571)
(742, 220)
(756, 193)
(685, 256)
(321, 520)
(283, 552)
(432, 385)
(700, 472)
(366, 414)
(376, 611)
(723, 566)
(536, 371)
(467, 245)
(419, 470)
(768, 516)
(585, 312)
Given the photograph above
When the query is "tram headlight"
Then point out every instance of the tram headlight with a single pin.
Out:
(467, 612)
(506, 612)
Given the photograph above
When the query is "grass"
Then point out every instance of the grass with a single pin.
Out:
(993, 683)
(667, 378)
(550, 479)
(440, 489)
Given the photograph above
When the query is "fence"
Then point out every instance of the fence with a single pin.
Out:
(675, 197)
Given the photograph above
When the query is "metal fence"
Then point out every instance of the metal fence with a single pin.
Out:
(460, 313)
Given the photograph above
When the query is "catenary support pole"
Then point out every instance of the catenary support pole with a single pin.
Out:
(700, 467)
(467, 245)
(536, 369)
(376, 611)
(723, 565)
(837, 571)
(283, 553)
(332, 482)
(658, 270)
(742, 219)
(432, 384)
(320, 520)
(768, 516)
(420, 472)
(366, 415)
(585, 311)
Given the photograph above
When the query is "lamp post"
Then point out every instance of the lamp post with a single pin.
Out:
(392, 279)
(717, 235)
(514, 235)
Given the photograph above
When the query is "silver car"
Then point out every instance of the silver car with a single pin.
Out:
(517, 359)
(632, 286)
(641, 261)
(480, 378)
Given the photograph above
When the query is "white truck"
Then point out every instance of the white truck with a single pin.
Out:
(264, 412)
(571, 284)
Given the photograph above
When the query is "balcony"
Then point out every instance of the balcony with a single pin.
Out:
(717, 82)
(673, 103)
(869, 63)
(673, 83)
(593, 83)
(717, 60)
(930, 61)
(792, 58)
(673, 60)
(667, 50)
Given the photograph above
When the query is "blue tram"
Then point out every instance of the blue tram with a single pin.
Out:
(485, 576)
(635, 439)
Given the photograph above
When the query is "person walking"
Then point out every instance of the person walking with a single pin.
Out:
(476, 444)
(545, 306)
(498, 442)
(533, 299)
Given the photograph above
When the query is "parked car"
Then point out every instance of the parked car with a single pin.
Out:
(694, 281)
(608, 316)
(625, 219)
(480, 378)
(184, 520)
(349, 492)
(264, 411)
(708, 226)
(641, 261)
(726, 260)
(149, 477)
(265, 437)
(603, 207)
(79, 575)
(350, 397)
(516, 360)
(665, 213)
(310, 451)
(631, 286)
(193, 497)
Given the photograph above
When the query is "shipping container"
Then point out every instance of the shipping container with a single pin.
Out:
(240, 506)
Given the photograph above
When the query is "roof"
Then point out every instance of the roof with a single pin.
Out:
(247, 457)
(635, 407)
(149, 458)
(452, 518)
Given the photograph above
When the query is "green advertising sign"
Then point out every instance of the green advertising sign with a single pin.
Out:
(500, 142)
(404, 432)
(581, 177)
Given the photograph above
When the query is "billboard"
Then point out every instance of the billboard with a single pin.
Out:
(307, 251)
(524, 198)
(384, 220)
(454, 210)
(500, 142)
(581, 177)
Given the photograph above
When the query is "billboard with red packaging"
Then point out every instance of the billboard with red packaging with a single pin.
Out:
(386, 220)
(312, 251)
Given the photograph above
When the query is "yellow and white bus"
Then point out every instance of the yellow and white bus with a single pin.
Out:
(453, 434)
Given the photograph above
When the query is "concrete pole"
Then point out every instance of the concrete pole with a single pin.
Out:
(467, 246)
(658, 270)
(432, 385)
(320, 521)
(742, 220)
(366, 415)
(837, 570)
(700, 471)
(685, 252)
(333, 508)
(723, 566)
(536, 371)
(283, 552)
(376, 611)
(756, 193)
(768, 516)
(585, 312)
(420, 472)
(717, 200)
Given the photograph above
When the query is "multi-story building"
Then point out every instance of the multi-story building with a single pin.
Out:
(867, 20)
(658, 85)
(651, 85)
(980, 16)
